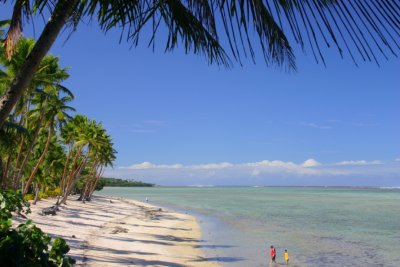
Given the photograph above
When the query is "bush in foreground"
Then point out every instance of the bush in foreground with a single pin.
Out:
(27, 245)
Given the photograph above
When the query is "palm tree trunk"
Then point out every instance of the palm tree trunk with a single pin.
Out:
(5, 173)
(74, 167)
(61, 13)
(28, 183)
(21, 147)
(101, 172)
(65, 189)
(36, 194)
(19, 152)
(65, 170)
(93, 172)
(18, 174)
(75, 177)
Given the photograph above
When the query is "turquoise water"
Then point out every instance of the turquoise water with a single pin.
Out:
(318, 226)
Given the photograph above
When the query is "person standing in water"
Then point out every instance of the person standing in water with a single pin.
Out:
(272, 253)
(286, 257)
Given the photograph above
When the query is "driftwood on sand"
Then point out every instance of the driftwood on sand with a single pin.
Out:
(50, 210)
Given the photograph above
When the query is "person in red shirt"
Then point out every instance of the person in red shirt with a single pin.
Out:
(272, 253)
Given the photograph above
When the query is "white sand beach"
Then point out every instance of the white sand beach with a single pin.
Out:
(118, 232)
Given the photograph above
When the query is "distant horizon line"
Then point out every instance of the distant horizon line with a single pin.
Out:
(277, 186)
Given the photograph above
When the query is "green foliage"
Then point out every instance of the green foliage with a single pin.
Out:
(113, 182)
(100, 185)
(43, 195)
(78, 187)
(34, 242)
(53, 193)
(57, 252)
(27, 245)
(11, 201)
(28, 197)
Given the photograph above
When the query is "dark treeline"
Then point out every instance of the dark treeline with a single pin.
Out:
(114, 182)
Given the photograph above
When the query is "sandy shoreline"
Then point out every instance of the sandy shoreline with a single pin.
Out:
(119, 232)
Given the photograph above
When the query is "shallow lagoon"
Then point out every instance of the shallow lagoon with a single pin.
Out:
(319, 226)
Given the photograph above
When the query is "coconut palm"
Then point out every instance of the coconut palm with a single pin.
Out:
(102, 154)
(55, 106)
(366, 29)
(107, 155)
(90, 148)
(31, 115)
(79, 131)
(8, 143)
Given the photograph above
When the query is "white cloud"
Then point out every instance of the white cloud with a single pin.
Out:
(147, 165)
(265, 172)
(309, 166)
(271, 164)
(251, 168)
(358, 163)
(310, 163)
(283, 167)
(398, 160)
(212, 166)
(172, 166)
(140, 166)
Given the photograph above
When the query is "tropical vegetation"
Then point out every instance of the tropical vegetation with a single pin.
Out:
(45, 151)
(115, 182)
(27, 245)
(44, 148)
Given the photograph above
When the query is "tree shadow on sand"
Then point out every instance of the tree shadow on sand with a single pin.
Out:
(131, 261)
(219, 259)
(162, 227)
(175, 238)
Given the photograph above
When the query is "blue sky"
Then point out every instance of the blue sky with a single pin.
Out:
(175, 120)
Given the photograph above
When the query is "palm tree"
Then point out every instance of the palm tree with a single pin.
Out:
(79, 131)
(106, 157)
(101, 154)
(8, 142)
(31, 115)
(365, 29)
(56, 114)
(91, 149)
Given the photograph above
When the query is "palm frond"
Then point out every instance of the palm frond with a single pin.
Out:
(3, 24)
(366, 30)
(362, 29)
(66, 91)
(11, 125)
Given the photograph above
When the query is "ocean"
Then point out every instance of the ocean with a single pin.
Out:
(318, 226)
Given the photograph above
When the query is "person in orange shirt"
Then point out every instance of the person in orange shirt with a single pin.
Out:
(272, 253)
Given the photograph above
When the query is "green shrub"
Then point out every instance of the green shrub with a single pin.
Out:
(11, 201)
(27, 245)
(58, 250)
(43, 195)
(53, 193)
(28, 197)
